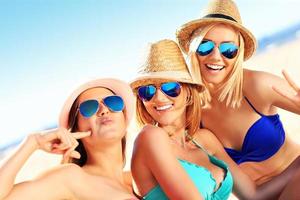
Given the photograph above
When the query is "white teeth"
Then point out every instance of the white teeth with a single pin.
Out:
(164, 107)
(215, 67)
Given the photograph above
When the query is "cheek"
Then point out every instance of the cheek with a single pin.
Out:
(229, 64)
(121, 124)
(181, 101)
(83, 124)
(148, 107)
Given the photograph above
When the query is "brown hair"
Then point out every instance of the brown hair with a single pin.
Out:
(193, 110)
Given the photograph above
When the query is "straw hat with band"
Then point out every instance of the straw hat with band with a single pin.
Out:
(164, 61)
(217, 11)
(118, 87)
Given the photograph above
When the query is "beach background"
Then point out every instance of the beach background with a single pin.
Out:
(49, 47)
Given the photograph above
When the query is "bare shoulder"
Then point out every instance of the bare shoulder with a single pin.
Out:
(149, 144)
(58, 179)
(261, 78)
(64, 168)
(149, 135)
(62, 172)
(258, 87)
(208, 140)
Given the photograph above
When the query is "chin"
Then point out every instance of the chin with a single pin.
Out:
(166, 122)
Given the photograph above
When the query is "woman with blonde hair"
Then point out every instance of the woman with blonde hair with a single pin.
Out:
(92, 132)
(173, 158)
(242, 111)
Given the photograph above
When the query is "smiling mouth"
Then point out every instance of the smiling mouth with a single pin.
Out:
(215, 67)
(163, 108)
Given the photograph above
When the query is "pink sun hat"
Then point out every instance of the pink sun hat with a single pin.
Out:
(118, 87)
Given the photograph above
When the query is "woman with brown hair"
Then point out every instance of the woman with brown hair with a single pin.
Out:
(95, 117)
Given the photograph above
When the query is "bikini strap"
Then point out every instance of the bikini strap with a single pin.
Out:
(197, 144)
(252, 106)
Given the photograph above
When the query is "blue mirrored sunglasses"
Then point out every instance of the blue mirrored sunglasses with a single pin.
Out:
(227, 49)
(146, 92)
(89, 107)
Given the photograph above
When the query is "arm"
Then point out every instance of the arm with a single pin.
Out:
(55, 141)
(244, 187)
(54, 184)
(153, 150)
(293, 97)
(272, 91)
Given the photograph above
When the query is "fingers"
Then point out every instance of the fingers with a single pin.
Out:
(61, 141)
(290, 81)
(70, 153)
(79, 135)
(67, 141)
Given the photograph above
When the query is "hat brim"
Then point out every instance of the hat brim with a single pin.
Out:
(165, 76)
(118, 87)
(185, 32)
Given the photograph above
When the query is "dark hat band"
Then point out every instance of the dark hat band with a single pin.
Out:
(219, 16)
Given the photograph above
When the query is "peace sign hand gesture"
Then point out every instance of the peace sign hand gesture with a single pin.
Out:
(60, 141)
(293, 98)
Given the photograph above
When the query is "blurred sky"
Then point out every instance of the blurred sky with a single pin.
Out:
(48, 47)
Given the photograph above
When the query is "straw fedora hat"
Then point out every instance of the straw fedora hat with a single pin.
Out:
(118, 87)
(222, 11)
(164, 61)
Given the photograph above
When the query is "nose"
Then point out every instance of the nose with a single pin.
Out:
(103, 110)
(159, 95)
(216, 54)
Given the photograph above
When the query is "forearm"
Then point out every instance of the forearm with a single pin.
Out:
(12, 165)
(273, 188)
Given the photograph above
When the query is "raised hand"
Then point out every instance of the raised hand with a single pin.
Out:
(295, 98)
(60, 141)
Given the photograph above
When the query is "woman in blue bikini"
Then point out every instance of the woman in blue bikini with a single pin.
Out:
(173, 158)
(242, 111)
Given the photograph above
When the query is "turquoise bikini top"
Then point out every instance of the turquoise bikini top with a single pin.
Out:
(203, 180)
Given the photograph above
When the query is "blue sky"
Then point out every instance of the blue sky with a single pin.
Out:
(48, 47)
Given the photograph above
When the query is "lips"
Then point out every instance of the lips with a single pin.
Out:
(215, 67)
(105, 120)
(163, 107)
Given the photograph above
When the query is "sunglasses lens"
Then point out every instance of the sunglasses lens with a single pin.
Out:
(114, 103)
(228, 49)
(171, 89)
(205, 48)
(146, 92)
(88, 108)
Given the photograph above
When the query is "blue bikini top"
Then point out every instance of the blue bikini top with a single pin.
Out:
(263, 139)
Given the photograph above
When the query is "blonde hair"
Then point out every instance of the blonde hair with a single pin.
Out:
(193, 110)
(232, 89)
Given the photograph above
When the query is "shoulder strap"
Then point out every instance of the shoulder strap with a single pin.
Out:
(252, 106)
(196, 143)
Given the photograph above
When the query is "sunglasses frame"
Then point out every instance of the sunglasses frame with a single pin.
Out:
(159, 86)
(219, 46)
(103, 102)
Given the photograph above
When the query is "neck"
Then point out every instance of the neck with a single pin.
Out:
(177, 135)
(105, 160)
(214, 90)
